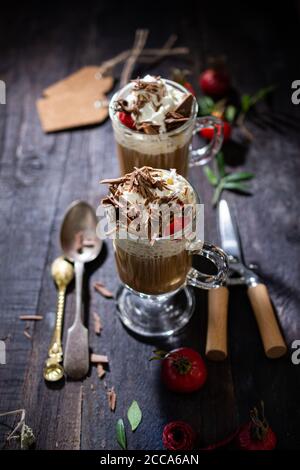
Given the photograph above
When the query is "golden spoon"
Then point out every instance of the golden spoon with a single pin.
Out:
(62, 272)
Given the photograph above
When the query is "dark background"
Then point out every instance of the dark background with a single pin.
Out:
(41, 174)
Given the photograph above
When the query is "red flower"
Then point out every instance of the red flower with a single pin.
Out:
(178, 435)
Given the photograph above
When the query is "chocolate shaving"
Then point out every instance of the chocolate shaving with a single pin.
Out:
(97, 323)
(100, 371)
(144, 181)
(123, 106)
(28, 336)
(98, 358)
(172, 124)
(148, 128)
(185, 107)
(174, 120)
(31, 317)
(149, 87)
(112, 398)
(101, 289)
(113, 180)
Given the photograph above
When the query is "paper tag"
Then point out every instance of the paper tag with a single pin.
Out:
(77, 100)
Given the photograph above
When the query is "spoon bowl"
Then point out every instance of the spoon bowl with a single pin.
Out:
(53, 371)
(78, 233)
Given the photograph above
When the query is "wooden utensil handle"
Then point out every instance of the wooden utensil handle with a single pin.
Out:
(216, 342)
(271, 336)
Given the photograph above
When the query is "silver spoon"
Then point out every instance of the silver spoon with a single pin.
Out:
(81, 245)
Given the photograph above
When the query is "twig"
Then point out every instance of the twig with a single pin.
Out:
(111, 63)
(139, 42)
(160, 54)
(26, 435)
(20, 424)
(144, 58)
(241, 124)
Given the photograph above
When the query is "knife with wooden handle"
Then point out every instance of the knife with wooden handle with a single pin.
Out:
(216, 341)
(270, 333)
(216, 344)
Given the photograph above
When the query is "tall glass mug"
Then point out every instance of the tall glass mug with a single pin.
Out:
(156, 298)
(167, 150)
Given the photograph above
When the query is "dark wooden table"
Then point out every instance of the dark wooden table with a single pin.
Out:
(41, 174)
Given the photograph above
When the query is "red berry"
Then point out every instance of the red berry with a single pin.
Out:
(208, 132)
(183, 370)
(179, 224)
(126, 119)
(257, 434)
(178, 435)
(189, 87)
(247, 442)
(214, 82)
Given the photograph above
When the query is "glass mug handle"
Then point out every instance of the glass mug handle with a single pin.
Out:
(202, 155)
(209, 281)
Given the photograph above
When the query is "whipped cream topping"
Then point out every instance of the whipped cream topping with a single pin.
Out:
(148, 200)
(162, 186)
(151, 205)
(152, 101)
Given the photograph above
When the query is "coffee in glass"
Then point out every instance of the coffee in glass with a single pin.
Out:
(154, 213)
(154, 121)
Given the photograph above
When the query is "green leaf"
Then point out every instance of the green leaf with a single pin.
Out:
(221, 164)
(230, 113)
(134, 415)
(212, 178)
(217, 194)
(238, 176)
(121, 434)
(261, 94)
(158, 354)
(206, 105)
(236, 186)
(245, 103)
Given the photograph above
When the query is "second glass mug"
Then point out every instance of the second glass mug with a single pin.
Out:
(156, 299)
(171, 149)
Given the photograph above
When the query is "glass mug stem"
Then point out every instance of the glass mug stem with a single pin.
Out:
(209, 281)
(202, 155)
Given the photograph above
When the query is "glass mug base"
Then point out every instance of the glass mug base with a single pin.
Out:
(155, 316)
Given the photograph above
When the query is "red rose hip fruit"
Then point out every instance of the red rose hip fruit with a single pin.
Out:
(183, 370)
(214, 82)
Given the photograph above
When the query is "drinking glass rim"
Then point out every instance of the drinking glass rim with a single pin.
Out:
(113, 114)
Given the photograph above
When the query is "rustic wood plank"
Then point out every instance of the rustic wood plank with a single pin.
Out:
(268, 219)
(36, 186)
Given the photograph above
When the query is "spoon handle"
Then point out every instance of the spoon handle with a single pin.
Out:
(79, 266)
(55, 349)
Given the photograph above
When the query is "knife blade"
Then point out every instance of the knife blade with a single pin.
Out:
(230, 238)
(231, 244)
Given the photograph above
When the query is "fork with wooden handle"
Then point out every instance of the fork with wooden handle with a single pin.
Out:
(216, 343)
